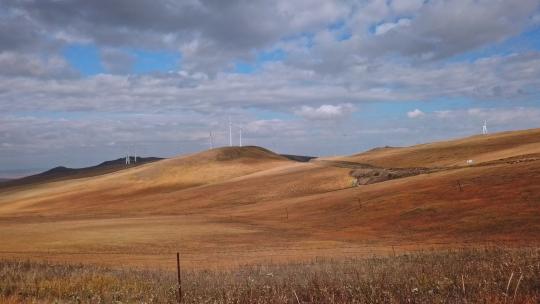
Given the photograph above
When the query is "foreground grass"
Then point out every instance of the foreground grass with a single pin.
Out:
(464, 276)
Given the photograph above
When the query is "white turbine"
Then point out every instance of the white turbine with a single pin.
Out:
(240, 136)
(484, 128)
(211, 140)
(230, 132)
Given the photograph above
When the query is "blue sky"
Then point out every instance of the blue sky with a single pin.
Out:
(86, 59)
(79, 88)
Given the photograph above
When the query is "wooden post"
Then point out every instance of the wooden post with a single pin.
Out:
(287, 211)
(179, 277)
(459, 185)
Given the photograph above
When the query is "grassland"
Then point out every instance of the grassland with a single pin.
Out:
(229, 207)
(488, 275)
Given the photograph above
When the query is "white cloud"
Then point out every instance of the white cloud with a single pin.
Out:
(279, 87)
(386, 27)
(444, 114)
(535, 19)
(513, 115)
(447, 28)
(499, 116)
(325, 112)
(416, 113)
(406, 6)
(13, 64)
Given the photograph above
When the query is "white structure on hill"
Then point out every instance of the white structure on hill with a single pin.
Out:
(484, 128)
(230, 132)
(211, 140)
(240, 136)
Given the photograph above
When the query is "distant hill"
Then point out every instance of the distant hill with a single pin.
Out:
(210, 166)
(63, 173)
(251, 156)
(298, 158)
(4, 180)
(479, 148)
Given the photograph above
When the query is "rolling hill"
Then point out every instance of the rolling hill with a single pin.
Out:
(63, 173)
(245, 204)
(479, 148)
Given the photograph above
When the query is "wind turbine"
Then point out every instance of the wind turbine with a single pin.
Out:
(484, 128)
(240, 136)
(211, 140)
(230, 132)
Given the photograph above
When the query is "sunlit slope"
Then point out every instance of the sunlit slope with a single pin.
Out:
(96, 198)
(481, 148)
(206, 167)
(155, 179)
(477, 204)
(496, 204)
(225, 203)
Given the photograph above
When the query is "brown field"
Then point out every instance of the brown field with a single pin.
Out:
(232, 206)
(490, 275)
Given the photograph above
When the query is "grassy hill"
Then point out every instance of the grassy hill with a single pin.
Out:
(480, 148)
(62, 173)
(239, 205)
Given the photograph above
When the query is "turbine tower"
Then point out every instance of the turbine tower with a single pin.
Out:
(127, 159)
(484, 128)
(240, 136)
(230, 132)
(211, 140)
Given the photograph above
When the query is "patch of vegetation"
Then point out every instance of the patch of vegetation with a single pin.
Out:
(488, 275)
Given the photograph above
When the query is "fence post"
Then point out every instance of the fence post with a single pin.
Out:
(179, 277)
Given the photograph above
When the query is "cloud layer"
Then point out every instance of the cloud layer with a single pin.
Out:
(336, 61)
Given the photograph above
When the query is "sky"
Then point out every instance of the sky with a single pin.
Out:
(86, 81)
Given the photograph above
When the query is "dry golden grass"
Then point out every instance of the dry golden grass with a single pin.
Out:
(480, 148)
(239, 205)
(488, 275)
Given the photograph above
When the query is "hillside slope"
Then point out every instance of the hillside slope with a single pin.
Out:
(480, 148)
(63, 173)
(141, 183)
(241, 205)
